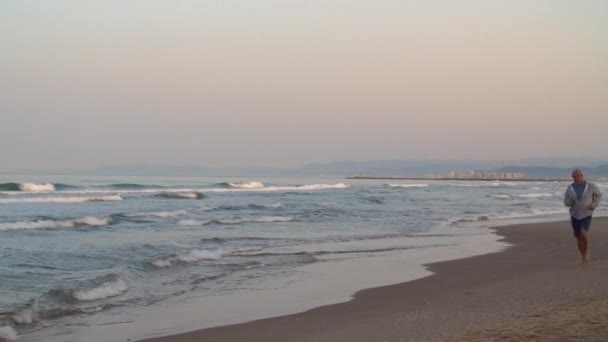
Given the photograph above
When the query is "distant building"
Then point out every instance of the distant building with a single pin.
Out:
(474, 174)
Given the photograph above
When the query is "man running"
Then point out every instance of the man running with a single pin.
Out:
(582, 198)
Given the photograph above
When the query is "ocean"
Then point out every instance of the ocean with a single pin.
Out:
(84, 256)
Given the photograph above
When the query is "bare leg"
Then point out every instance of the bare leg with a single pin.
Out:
(583, 242)
(585, 237)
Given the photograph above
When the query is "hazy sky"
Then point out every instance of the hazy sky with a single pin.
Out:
(283, 83)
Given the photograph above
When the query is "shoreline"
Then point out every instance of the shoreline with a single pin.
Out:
(536, 275)
(333, 279)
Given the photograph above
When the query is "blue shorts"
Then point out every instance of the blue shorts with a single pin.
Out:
(577, 225)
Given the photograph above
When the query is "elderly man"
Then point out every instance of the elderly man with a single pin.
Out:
(582, 198)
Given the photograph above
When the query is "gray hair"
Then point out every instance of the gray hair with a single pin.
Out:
(575, 171)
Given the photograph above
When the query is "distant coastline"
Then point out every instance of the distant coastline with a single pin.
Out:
(464, 179)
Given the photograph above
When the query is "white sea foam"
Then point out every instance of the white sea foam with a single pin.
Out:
(532, 213)
(263, 219)
(503, 183)
(247, 185)
(27, 315)
(468, 219)
(516, 215)
(231, 221)
(60, 199)
(309, 187)
(33, 187)
(192, 223)
(535, 195)
(163, 214)
(269, 206)
(318, 186)
(56, 224)
(501, 196)
(190, 257)
(181, 195)
(107, 289)
(189, 192)
(7, 333)
(198, 255)
(408, 185)
(206, 208)
(161, 263)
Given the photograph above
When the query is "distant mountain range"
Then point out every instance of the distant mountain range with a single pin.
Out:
(532, 167)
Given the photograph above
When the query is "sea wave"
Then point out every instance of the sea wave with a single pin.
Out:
(8, 334)
(459, 220)
(233, 221)
(163, 214)
(515, 215)
(190, 257)
(192, 191)
(530, 195)
(56, 224)
(245, 185)
(26, 315)
(134, 186)
(112, 287)
(33, 187)
(408, 185)
(31, 312)
(206, 208)
(180, 195)
(536, 195)
(60, 199)
(267, 206)
(532, 213)
(27, 187)
(16, 188)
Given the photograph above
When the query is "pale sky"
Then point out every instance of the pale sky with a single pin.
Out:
(284, 83)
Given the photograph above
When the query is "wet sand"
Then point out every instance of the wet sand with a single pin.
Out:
(535, 290)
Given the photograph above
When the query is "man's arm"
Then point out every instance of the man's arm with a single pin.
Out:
(568, 199)
(596, 196)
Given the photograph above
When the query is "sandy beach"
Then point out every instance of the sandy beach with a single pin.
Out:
(535, 290)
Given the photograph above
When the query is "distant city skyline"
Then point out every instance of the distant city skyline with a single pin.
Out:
(285, 83)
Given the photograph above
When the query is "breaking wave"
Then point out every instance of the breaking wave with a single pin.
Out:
(531, 195)
(515, 215)
(536, 195)
(111, 287)
(267, 206)
(264, 219)
(180, 195)
(57, 224)
(34, 187)
(134, 186)
(163, 214)
(27, 187)
(7, 334)
(408, 185)
(33, 313)
(160, 191)
(501, 196)
(459, 220)
(245, 185)
(61, 199)
(190, 257)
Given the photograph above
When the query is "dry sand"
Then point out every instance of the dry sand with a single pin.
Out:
(533, 291)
